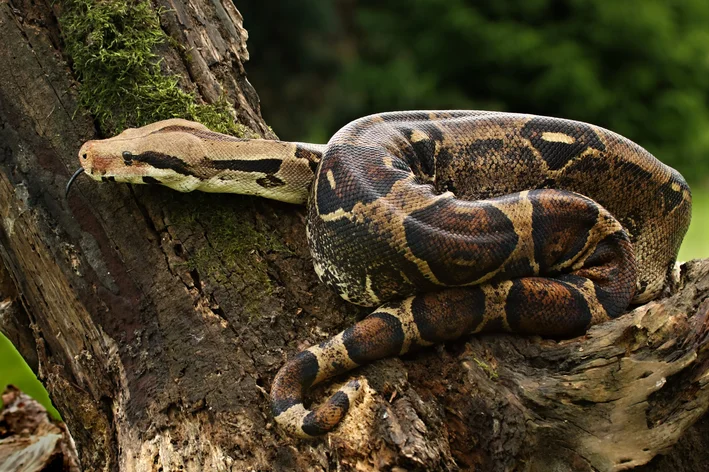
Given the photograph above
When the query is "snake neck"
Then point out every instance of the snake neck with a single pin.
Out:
(276, 170)
(187, 156)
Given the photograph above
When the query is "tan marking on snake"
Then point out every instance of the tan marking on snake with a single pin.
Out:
(558, 137)
(331, 179)
(495, 299)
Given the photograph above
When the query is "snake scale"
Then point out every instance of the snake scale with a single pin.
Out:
(447, 222)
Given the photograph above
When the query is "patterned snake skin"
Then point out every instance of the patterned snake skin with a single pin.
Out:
(449, 223)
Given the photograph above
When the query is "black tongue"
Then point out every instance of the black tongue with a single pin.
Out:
(80, 170)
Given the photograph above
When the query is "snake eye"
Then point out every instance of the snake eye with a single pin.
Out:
(127, 155)
(84, 156)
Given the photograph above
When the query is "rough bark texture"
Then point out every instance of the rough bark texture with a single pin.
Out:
(157, 320)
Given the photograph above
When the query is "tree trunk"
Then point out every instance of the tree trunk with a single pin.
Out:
(157, 320)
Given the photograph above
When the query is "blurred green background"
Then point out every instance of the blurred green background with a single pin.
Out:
(638, 67)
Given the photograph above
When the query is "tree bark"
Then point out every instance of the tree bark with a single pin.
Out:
(157, 320)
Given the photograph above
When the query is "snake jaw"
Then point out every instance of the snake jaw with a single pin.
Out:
(79, 171)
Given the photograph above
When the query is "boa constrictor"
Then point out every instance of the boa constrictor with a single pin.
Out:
(449, 222)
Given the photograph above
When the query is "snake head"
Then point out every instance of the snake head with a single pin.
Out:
(147, 155)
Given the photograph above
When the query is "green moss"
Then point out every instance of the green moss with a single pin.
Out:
(235, 246)
(112, 45)
(231, 241)
(234, 250)
(489, 370)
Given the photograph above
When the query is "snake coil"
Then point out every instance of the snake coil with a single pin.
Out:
(448, 222)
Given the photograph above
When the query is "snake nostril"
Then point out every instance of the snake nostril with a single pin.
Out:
(84, 156)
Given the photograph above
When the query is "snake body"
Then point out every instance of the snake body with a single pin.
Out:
(449, 223)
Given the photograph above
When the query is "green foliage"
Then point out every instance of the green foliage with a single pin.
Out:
(638, 67)
(14, 371)
(695, 244)
(112, 45)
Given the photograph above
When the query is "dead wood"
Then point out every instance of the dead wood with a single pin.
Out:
(30, 441)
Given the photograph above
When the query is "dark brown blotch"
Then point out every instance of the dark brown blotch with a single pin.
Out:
(612, 269)
(360, 175)
(460, 241)
(270, 181)
(312, 155)
(557, 154)
(561, 225)
(546, 307)
(449, 314)
(377, 336)
(161, 160)
(299, 373)
(326, 417)
(673, 191)
(266, 166)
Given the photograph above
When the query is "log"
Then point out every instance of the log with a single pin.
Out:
(158, 320)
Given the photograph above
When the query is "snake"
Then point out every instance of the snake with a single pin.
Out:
(446, 223)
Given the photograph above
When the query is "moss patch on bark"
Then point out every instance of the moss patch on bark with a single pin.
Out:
(112, 45)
